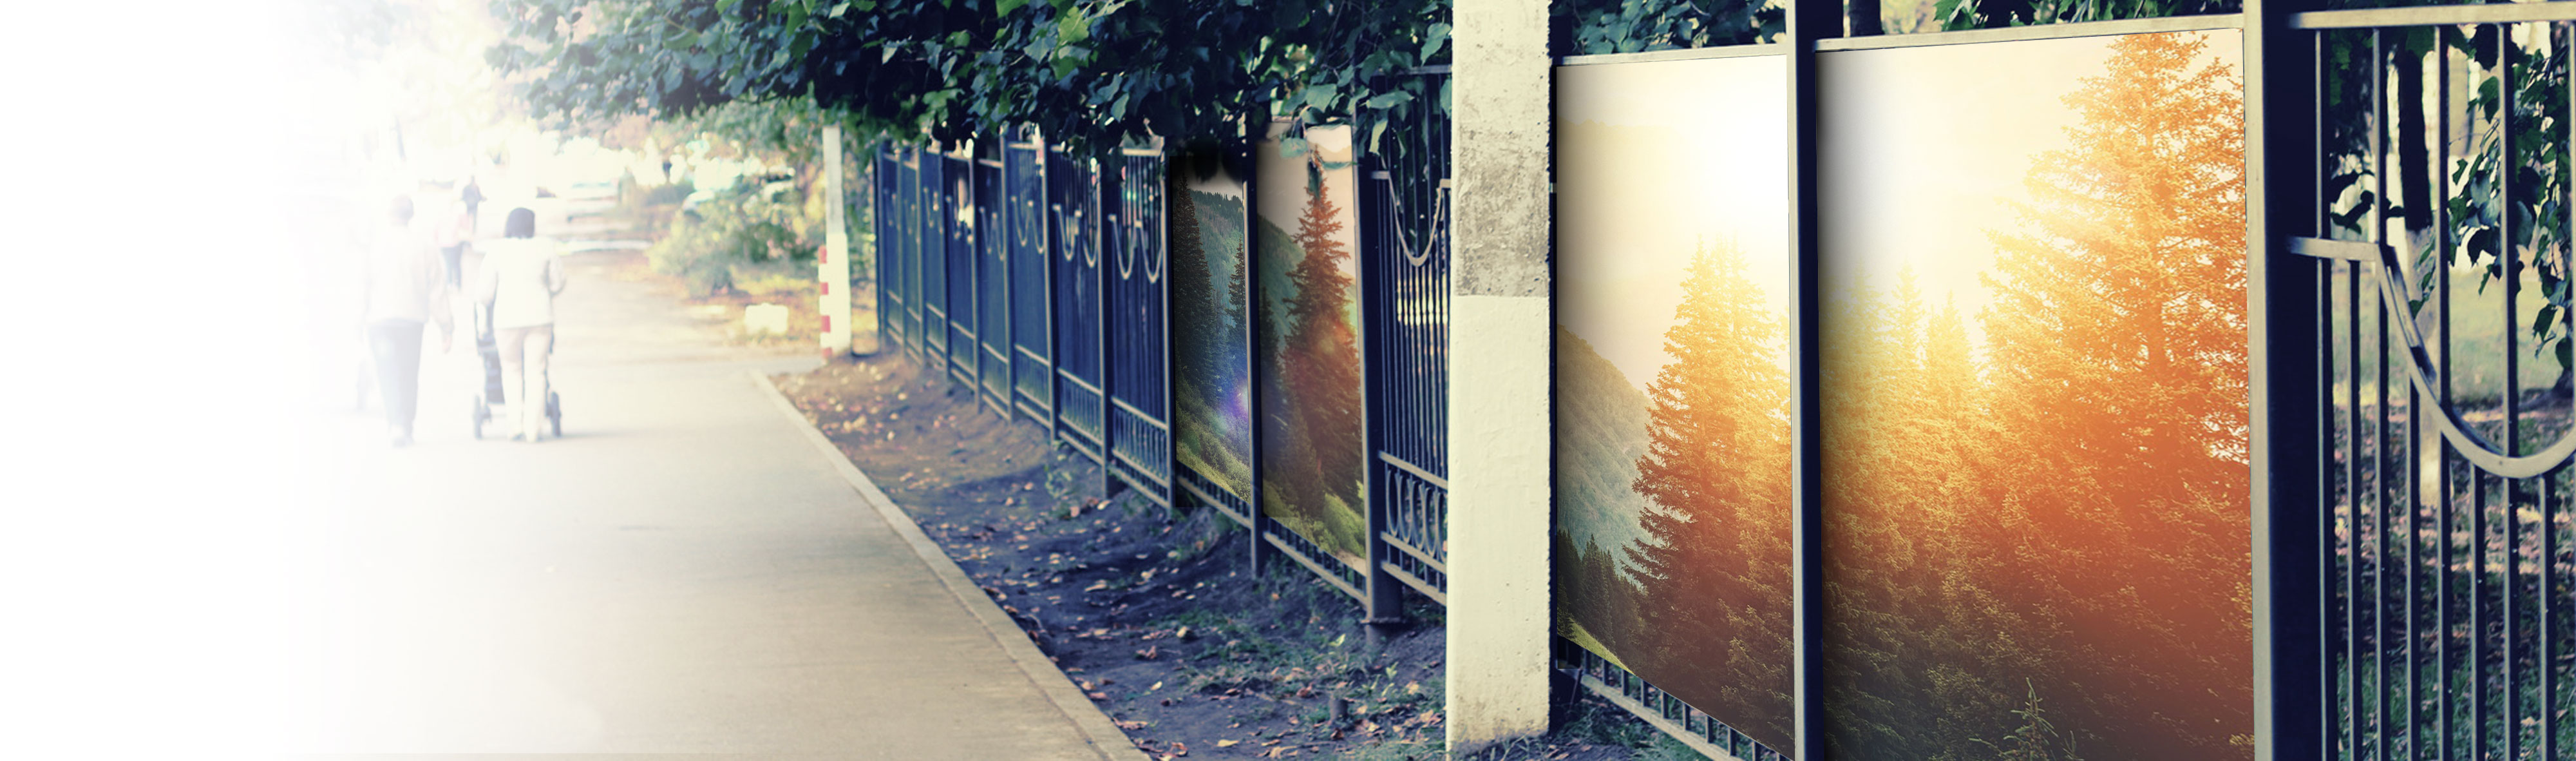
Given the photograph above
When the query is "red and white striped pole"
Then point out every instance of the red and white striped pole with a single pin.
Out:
(833, 262)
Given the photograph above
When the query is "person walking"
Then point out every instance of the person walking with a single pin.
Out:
(517, 283)
(406, 289)
(453, 232)
(473, 198)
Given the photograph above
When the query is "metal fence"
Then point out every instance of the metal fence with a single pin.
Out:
(1404, 216)
(1073, 203)
(931, 259)
(1032, 352)
(957, 251)
(1040, 280)
(2443, 466)
(992, 281)
(1136, 313)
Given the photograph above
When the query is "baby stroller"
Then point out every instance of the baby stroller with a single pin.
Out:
(490, 396)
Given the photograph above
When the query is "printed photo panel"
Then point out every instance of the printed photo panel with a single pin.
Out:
(1313, 426)
(2034, 400)
(1673, 371)
(1211, 325)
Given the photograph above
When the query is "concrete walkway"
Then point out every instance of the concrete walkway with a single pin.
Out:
(684, 572)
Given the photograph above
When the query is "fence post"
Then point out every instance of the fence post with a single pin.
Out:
(1499, 426)
(1385, 594)
(1256, 126)
(2291, 688)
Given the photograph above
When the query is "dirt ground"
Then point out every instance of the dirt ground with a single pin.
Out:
(1149, 609)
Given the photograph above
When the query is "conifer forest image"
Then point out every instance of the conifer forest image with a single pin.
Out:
(1672, 382)
(1211, 320)
(1313, 434)
(2035, 452)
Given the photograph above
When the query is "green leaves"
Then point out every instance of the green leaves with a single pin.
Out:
(1093, 74)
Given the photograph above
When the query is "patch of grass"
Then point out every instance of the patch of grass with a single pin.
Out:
(1665, 748)
(1201, 532)
(1600, 723)
(1402, 750)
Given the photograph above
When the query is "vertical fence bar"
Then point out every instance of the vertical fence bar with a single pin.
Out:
(2351, 510)
(2550, 504)
(2442, 285)
(2507, 249)
(1113, 241)
(2478, 612)
(2379, 382)
(2414, 493)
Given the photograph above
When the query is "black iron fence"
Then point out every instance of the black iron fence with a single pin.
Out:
(1136, 316)
(2440, 263)
(1032, 359)
(1042, 281)
(1404, 218)
(1080, 343)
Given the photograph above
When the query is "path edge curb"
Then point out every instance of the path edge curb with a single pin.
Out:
(1095, 725)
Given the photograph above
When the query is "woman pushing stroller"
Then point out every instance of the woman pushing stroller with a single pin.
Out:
(516, 286)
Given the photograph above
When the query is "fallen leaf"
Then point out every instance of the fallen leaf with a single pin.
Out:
(1228, 743)
(1130, 725)
(1097, 695)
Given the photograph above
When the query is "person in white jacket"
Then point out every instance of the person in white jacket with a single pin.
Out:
(518, 281)
(405, 291)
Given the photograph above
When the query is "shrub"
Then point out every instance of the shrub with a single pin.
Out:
(740, 234)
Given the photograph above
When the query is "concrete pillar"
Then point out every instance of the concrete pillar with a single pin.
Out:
(833, 266)
(1499, 436)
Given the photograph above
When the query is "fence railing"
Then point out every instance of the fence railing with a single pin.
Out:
(1404, 215)
(2443, 458)
(1043, 282)
(992, 281)
(1079, 342)
(1032, 346)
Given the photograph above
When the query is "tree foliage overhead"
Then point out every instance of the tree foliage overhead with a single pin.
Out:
(1092, 73)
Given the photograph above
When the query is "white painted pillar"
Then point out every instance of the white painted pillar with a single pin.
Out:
(1499, 434)
(833, 264)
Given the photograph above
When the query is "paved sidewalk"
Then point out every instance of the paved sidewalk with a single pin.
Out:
(684, 572)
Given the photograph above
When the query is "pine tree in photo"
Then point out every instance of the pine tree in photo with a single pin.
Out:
(2117, 338)
(1325, 372)
(1715, 567)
